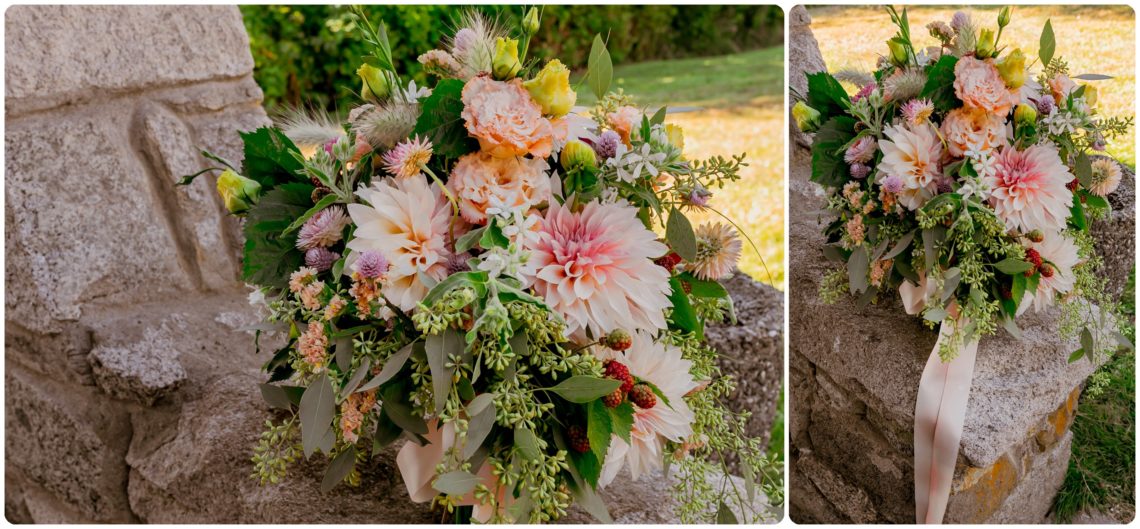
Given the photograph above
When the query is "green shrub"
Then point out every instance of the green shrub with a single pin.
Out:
(308, 54)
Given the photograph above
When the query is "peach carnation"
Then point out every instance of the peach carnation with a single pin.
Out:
(979, 85)
(504, 118)
(975, 129)
(1060, 86)
(663, 366)
(912, 156)
(623, 120)
(596, 269)
(1029, 189)
(480, 180)
(406, 221)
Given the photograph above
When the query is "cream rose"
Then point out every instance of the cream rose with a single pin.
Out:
(979, 85)
(504, 118)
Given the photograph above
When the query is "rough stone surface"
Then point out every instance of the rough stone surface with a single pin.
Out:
(803, 58)
(752, 351)
(1115, 236)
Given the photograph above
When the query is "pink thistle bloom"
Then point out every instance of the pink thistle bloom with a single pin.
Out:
(371, 265)
(1029, 189)
(596, 269)
(323, 229)
(917, 111)
(859, 171)
(863, 92)
(320, 258)
(862, 151)
(406, 158)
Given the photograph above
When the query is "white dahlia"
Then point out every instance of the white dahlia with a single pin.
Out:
(1029, 190)
(912, 155)
(1059, 255)
(406, 221)
(596, 269)
(662, 365)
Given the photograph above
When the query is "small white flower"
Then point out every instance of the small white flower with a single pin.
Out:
(630, 164)
(414, 93)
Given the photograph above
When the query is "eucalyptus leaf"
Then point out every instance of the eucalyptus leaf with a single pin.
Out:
(1092, 77)
(318, 406)
(480, 422)
(400, 412)
(456, 483)
(725, 516)
(339, 469)
(600, 68)
(275, 396)
(343, 353)
(357, 378)
(903, 244)
(1087, 341)
(857, 266)
(527, 443)
(391, 367)
(679, 233)
(1048, 44)
(439, 348)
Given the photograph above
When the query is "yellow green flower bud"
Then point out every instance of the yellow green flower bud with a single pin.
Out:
(578, 155)
(551, 89)
(676, 136)
(1012, 69)
(1025, 114)
(1003, 17)
(898, 51)
(238, 192)
(807, 118)
(505, 64)
(375, 83)
(1090, 95)
(985, 48)
(530, 22)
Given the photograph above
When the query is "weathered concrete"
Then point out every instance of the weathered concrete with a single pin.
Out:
(854, 380)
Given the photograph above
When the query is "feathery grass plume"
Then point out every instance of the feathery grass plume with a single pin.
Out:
(855, 77)
(387, 124)
(904, 85)
(309, 128)
(473, 46)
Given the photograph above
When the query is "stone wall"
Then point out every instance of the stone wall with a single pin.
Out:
(130, 388)
(854, 377)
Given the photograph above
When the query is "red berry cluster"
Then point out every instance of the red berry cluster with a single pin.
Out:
(1039, 264)
(618, 340)
(617, 371)
(669, 261)
(1072, 185)
(642, 396)
(578, 439)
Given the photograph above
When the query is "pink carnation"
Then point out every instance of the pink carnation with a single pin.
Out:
(504, 118)
(1029, 189)
(596, 269)
(979, 85)
(480, 180)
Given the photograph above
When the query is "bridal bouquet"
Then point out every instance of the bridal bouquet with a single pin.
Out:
(966, 179)
(964, 175)
(474, 268)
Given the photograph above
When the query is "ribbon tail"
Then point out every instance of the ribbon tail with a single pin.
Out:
(939, 417)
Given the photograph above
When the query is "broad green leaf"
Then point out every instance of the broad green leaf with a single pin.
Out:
(1048, 44)
(683, 316)
(268, 158)
(468, 240)
(599, 429)
(826, 95)
(621, 418)
(1076, 355)
(1011, 327)
(1019, 288)
(600, 68)
(703, 288)
(439, 349)
(493, 237)
(357, 378)
(659, 116)
(323, 203)
(456, 483)
(679, 233)
(584, 468)
(275, 396)
(527, 443)
(339, 469)
(269, 256)
(857, 267)
(318, 406)
(1011, 266)
(827, 166)
(939, 86)
(581, 389)
(725, 516)
(391, 367)
(441, 121)
(481, 420)
(1077, 216)
(477, 280)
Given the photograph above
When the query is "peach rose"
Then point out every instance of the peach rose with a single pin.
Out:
(480, 180)
(979, 84)
(623, 120)
(504, 118)
(1061, 86)
(968, 127)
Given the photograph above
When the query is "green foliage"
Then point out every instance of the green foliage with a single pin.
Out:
(827, 165)
(442, 123)
(939, 86)
(826, 95)
(308, 54)
(269, 255)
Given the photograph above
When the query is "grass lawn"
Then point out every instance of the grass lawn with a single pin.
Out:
(1092, 39)
(736, 101)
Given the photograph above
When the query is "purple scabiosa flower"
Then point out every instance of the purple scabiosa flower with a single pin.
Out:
(863, 92)
(960, 20)
(320, 258)
(458, 263)
(371, 265)
(607, 145)
(862, 151)
(893, 184)
(1045, 105)
(945, 184)
(323, 229)
(917, 111)
(859, 171)
(699, 197)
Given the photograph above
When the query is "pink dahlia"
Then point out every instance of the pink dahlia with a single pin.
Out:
(663, 366)
(596, 269)
(323, 229)
(406, 158)
(1060, 254)
(1029, 191)
(406, 221)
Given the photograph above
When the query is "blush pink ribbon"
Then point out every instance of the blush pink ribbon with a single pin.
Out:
(939, 413)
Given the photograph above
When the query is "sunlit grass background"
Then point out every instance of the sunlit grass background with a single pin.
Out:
(1092, 39)
(727, 105)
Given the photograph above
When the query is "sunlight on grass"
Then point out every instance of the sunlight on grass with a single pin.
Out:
(738, 100)
(1092, 39)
